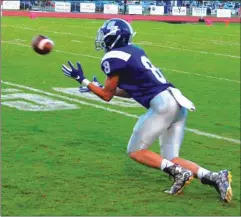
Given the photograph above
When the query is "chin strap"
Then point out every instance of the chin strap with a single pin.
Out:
(114, 43)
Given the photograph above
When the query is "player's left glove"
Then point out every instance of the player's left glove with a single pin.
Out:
(96, 82)
(72, 72)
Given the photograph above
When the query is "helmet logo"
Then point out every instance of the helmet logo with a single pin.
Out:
(111, 25)
(112, 28)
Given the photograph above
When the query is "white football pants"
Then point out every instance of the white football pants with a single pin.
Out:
(164, 119)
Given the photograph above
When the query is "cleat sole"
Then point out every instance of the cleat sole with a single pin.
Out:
(229, 192)
(188, 182)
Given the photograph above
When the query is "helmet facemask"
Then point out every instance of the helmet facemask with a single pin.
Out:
(101, 38)
(99, 41)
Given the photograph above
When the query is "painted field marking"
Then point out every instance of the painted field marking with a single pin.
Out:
(78, 54)
(77, 41)
(195, 131)
(42, 30)
(190, 50)
(218, 42)
(145, 43)
(35, 102)
(65, 33)
(201, 75)
(10, 90)
(221, 43)
(21, 40)
(215, 33)
(16, 98)
(59, 51)
(70, 99)
(155, 45)
(95, 57)
(14, 42)
(88, 95)
(179, 35)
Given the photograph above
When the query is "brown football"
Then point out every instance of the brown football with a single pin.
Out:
(42, 44)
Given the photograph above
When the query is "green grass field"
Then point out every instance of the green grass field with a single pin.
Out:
(65, 154)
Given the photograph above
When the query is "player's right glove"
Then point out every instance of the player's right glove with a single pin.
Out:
(76, 73)
(94, 81)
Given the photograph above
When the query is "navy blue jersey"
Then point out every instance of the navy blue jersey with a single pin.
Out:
(138, 77)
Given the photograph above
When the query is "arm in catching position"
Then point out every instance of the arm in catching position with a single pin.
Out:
(106, 93)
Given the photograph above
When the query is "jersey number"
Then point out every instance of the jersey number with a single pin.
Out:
(106, 66)
(155, 71)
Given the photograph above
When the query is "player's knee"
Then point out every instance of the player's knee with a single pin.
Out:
(134, 148)
(171, 157)
(131, 152)
(135, 155)
(132, 155)
(174, 159)
(135, 151)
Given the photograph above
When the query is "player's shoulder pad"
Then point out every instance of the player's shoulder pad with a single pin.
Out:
(116, 54)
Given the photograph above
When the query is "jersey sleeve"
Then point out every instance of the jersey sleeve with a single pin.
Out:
(114, 62)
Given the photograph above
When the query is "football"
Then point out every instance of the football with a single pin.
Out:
(42, 44)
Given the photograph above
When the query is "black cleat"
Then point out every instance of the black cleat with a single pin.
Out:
(182, 177)
(221, 181)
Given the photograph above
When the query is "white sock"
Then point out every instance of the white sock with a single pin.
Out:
(166, 163)
(202, 172)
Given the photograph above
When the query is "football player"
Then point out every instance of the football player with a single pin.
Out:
(130, 73)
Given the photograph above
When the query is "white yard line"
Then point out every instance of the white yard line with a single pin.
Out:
(190, 50)
(151, 44)
(78, 54)
(215, 33)
(42, 30)
(178, 35)
(14, 42)
(22, 40)
(77, 41)
(195, 131)
(218, 42)
(201, 75)
(59, 51)
(95, 57)
(219, 33)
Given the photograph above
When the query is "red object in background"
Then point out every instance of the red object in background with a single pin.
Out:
(32, 15)
(226, 22)
(129, 20)
(208, 22)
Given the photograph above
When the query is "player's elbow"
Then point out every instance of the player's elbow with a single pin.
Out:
(107, 97)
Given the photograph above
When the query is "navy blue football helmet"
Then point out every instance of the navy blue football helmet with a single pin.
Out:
(113, 34)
